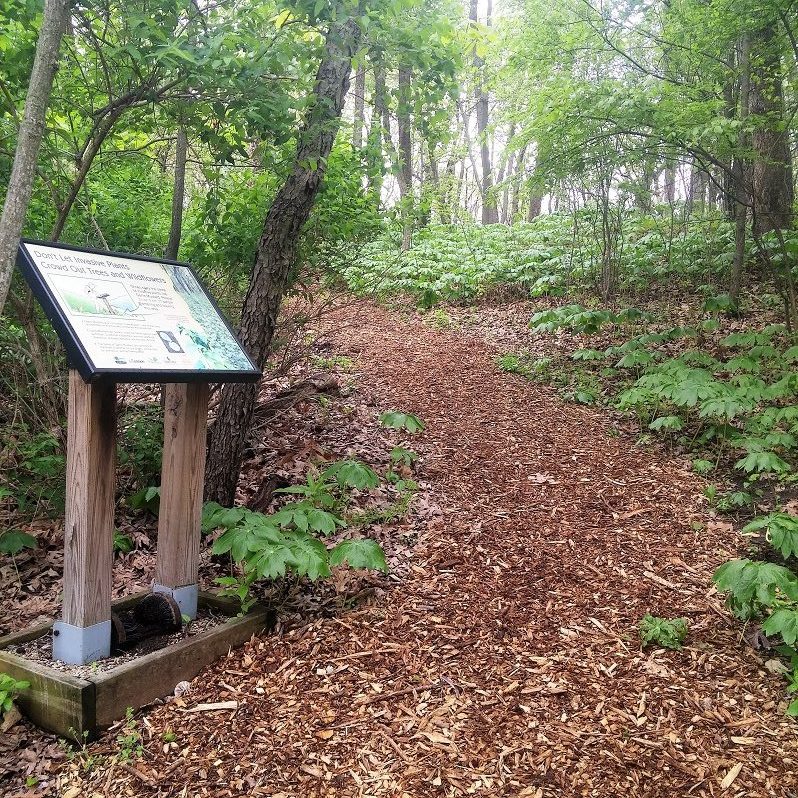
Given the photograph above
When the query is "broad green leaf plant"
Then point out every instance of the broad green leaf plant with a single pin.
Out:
(292, 539)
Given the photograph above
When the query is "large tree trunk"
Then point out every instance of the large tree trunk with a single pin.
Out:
(276, 255)
(535, 204)
(176, 229)
(31, 131)
(772, 172)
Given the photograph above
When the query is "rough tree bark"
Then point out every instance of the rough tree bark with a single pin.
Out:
(772, 169)
(275, 256)
(31, 131)
(535, 204)
(176, 229)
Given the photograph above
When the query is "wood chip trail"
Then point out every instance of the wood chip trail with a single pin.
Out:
(508, 662)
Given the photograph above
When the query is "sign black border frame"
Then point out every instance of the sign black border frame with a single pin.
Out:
(77, 356)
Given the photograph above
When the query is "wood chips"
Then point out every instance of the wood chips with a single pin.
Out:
(507, 661)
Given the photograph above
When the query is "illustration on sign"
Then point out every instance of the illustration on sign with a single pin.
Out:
(128, 313)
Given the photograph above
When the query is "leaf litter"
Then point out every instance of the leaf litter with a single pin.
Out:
(502, 657)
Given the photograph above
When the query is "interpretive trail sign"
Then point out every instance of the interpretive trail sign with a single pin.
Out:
(124, 318)
(133, 319)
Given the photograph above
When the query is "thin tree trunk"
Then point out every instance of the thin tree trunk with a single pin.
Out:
(376, 135)
(505, 172)
(430, 191)
(515, 198)
(31, 131)
(670, 184)
(730, 111)
(740, 174)
(405, 175)
(698, 187)
(178, 192)
(86, 160)
(360, 107)
(609, 265)
(490, 211)
(642, 191)
(276, 253)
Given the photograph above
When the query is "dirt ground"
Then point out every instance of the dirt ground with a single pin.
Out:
(506, 660)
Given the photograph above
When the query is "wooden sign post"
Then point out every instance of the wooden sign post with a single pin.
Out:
(84, 633)
(182, 482)
(124, 318)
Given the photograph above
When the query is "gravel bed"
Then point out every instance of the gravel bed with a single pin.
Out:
(41, 648)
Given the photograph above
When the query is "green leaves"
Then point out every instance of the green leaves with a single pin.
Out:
(783, 622)
(394, 419)
(10, 688)
(762, 462)
(753, 586)
(671, 423)
(310, 556)
(269, 546)
(581, 320)
(359, 553)
(122, 543)
(781, 530)
(352, 474)
(635, 359)
(148, 499)
(13, 541)
(215, 516)
(662, 631)
(722, 303)
(588, 354)
(305, 517)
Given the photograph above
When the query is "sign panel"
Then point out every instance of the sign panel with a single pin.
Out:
(131, 318)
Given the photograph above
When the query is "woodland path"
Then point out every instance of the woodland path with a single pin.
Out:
(508, 664)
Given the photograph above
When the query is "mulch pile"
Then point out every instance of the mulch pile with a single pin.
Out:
(507, 661)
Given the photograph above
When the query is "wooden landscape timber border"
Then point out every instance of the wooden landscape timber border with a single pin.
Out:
(73, 707)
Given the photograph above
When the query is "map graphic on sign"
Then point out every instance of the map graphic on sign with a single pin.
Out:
(133, 318)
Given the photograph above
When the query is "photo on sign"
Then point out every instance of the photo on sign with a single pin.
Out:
(209, 342)
(170, 342)
(101, 297)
